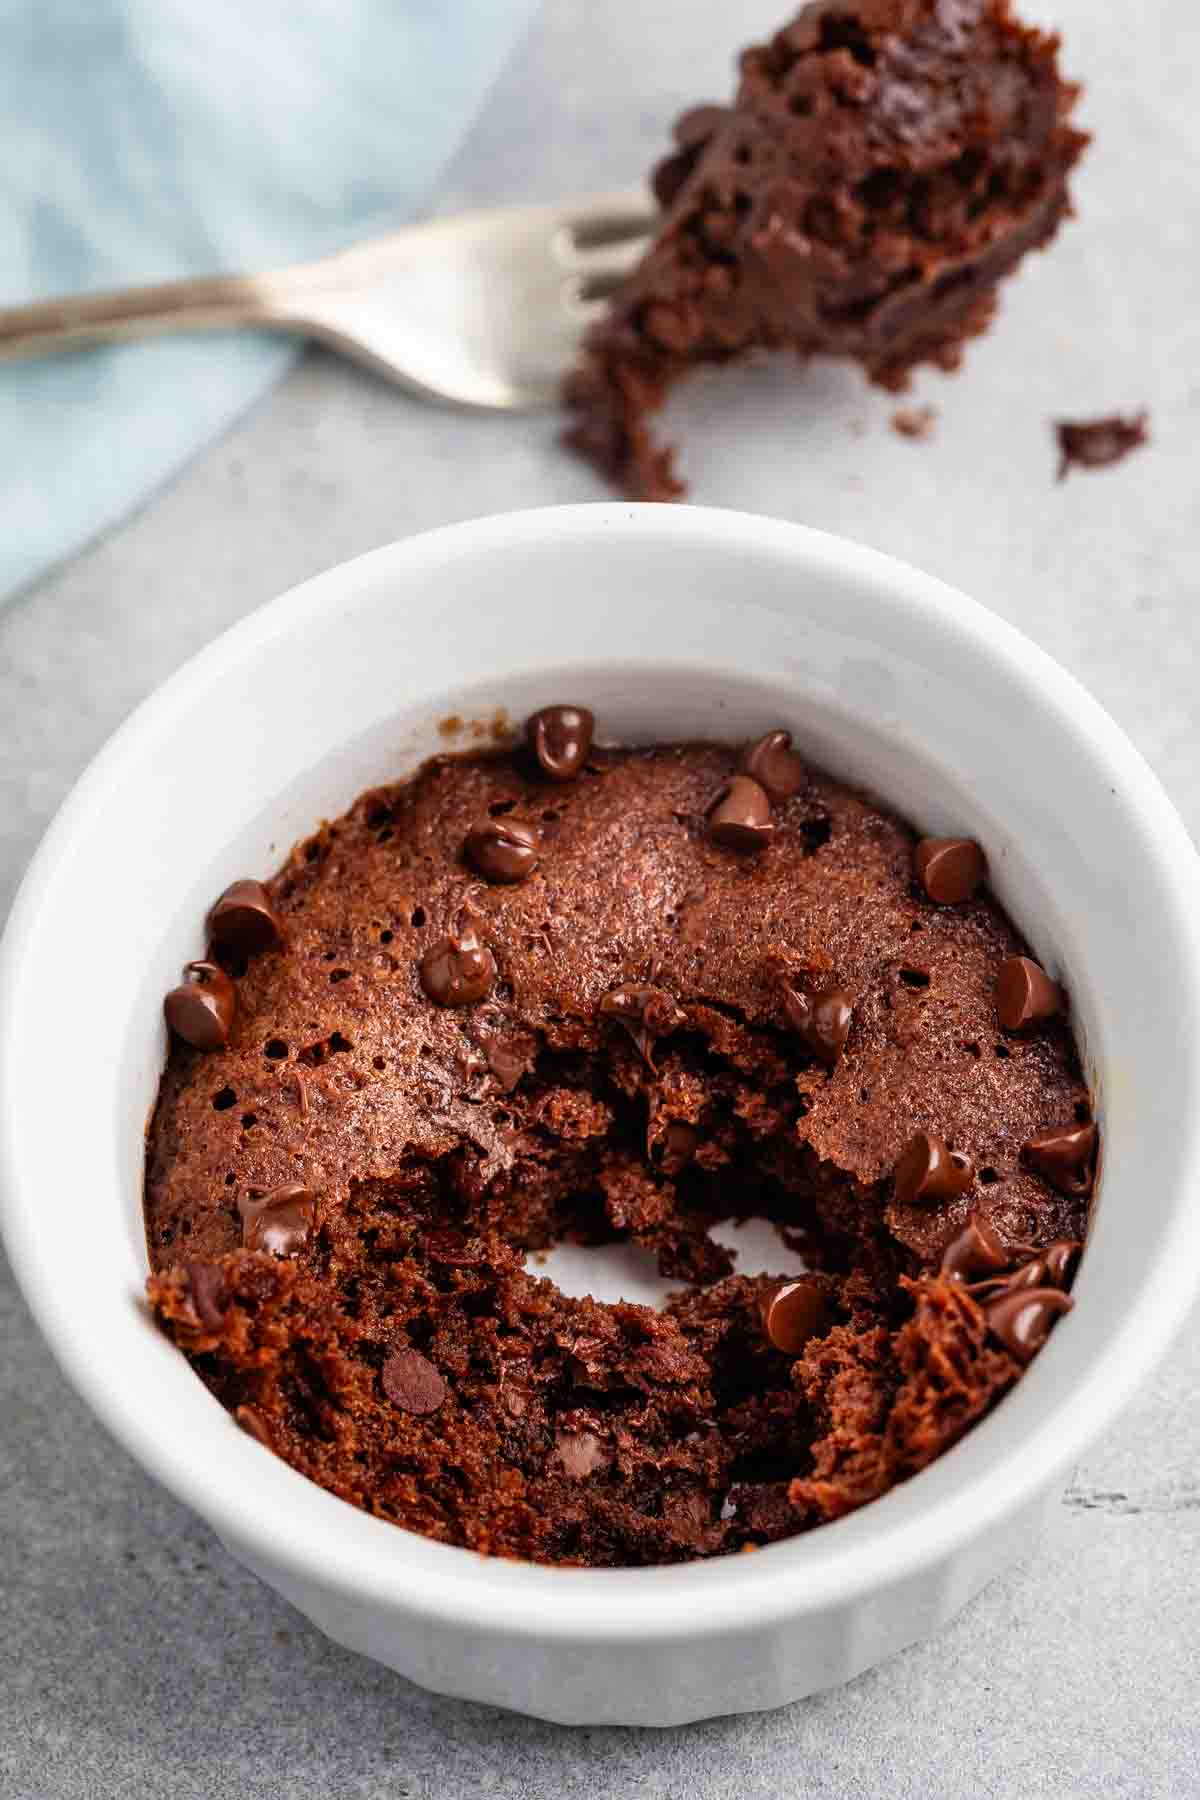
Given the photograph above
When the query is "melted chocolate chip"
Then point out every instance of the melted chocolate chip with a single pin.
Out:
(671, 1144)
(741, 818)
(821, 1021)
(775, 766)
(1060, 1259)
(201, 1011)
(411, 1382)
(646, 1013)
(928, 1172)
(679, 1146)
(1025, 994)
(254, 1425)
(502, 849)
(458, 970)
(561, 737)
(1023, 1320)
(210, 1296)
(975, 1251)
(244, 921)
(1064, 1156)
(949, 869)
(795, 1313)
(281, 1222)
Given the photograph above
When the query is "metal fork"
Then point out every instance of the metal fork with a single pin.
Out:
(485, 309)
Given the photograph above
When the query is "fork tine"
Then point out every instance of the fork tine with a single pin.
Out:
(581, 312)
(584, 293)
(596, 231)
(605, 265)
(605, 235)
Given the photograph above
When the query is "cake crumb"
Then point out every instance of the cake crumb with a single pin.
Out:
(913, 421)
(1098, 443)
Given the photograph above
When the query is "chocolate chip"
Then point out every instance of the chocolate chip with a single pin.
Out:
(254, 1425)
(210, 1296)
(1065, 1156)
(201, 1011)
(741, 817)
(458, 970)
(1031, 1274)
(670, 1144)
(679, 1146)
(281, 1222)
(1023, 1320)
(821, 1021)
(795, 1313)
(502, 849)
(928, 1172)
(560, 737)
(411, 1382)
(581, 1453)
(949, 869)
(244, 921)
(1025, 994)
(975, 1251)
(775, 766)
(646, 1013)
(1060, 1259)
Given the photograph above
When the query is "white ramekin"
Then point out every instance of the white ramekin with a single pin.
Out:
(671, 622)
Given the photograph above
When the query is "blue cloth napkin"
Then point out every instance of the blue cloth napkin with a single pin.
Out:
(143, 140)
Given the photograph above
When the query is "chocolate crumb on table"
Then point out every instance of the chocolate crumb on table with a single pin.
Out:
(562, 991)
(913, 421)
(1098, 443)
(883, 165)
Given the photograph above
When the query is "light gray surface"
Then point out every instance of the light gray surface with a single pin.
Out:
(137, 1658)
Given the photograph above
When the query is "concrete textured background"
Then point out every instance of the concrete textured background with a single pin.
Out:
(135, 1657)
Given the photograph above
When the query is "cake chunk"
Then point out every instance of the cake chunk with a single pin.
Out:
(560, 992)
(883, 165)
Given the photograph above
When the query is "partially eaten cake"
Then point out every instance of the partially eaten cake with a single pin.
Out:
(560, 992)
(884, 164)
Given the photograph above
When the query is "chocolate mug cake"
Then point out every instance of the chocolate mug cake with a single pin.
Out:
(565, 991)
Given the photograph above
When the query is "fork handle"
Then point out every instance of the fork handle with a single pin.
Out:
(211, 303)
